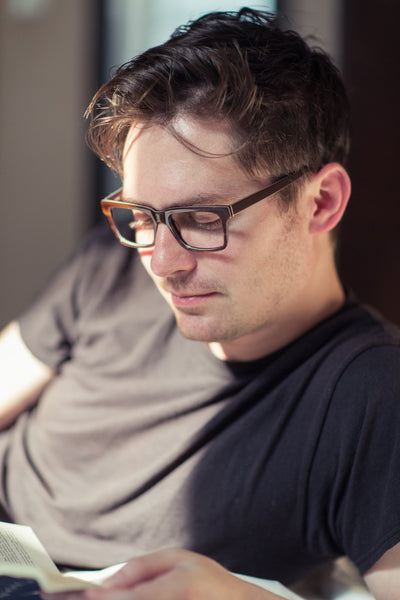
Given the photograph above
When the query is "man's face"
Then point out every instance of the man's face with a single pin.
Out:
(246, 295)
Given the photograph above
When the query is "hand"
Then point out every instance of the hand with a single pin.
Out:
(171, 575)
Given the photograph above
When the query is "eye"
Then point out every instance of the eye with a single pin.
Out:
(197, 220)
(204, 218)
(141, 220)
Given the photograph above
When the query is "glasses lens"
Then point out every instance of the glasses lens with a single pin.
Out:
(135, 227)
(200, 228)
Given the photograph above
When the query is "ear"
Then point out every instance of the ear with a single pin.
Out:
(331, 189)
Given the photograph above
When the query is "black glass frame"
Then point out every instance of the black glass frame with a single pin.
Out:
(225, 212)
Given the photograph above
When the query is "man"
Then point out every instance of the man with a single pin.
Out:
(215, 389)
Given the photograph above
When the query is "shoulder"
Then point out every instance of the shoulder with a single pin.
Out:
(364, 362)
(362, 390)
(371, 354)
(100, 246)
(99, 278)
(100, 267)
(356, 385)
(358, 341)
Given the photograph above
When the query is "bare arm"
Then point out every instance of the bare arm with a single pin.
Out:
(22, 375)
(383, 579)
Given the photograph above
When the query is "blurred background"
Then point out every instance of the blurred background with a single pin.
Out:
(55, 53)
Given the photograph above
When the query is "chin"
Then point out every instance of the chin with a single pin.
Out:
(196, 335)
(199, 332)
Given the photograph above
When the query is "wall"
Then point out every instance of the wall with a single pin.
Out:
(320, 19)
(370, 248)
(46, 79)
(362, 37)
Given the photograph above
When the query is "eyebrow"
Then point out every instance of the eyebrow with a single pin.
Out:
(200, 200)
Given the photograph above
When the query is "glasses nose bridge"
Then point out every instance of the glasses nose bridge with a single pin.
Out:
(160, 217)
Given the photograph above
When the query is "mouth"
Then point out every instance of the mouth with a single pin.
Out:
(188, 300)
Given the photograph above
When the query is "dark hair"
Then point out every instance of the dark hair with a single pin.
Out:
(285, 101)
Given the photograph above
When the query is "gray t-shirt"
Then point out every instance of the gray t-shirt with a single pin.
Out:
(145, 440)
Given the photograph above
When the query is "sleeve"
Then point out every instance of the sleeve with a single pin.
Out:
(365, 499)
(48, 326)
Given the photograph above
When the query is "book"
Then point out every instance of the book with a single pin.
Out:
(22, 556)
(25, 566)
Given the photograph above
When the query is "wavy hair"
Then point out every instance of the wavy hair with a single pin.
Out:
(284, 100)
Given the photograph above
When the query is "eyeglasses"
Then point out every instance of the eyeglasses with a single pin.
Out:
(200, 228)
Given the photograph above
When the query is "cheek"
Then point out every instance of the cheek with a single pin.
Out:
(277, 260)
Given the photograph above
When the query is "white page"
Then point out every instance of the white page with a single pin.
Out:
(22, 555)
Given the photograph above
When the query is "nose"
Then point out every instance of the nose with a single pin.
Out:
(168, 256)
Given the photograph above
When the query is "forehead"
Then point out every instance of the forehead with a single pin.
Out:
(205, 137)
(198, 160)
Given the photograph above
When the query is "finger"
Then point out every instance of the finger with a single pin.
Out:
(145, 567)
(161, 588)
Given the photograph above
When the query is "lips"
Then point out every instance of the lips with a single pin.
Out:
(181, 292)
(190, 299)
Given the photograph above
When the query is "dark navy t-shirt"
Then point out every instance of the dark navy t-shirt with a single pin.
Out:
(146, 440)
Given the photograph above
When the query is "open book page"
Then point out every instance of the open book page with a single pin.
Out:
(23, 556)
